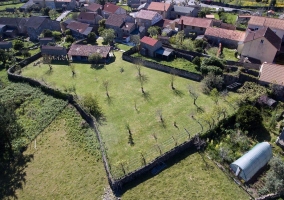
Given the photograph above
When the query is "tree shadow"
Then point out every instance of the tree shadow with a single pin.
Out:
(199, 109)
(178, 92)
(12, 176)
(109, 100)
(143, 78)
(146, 96)
(97, 66)
(49, 72)
(260, 133)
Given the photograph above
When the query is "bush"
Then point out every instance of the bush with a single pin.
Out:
(196, 61)
(212, 81)
(249, 117)
(206, 69)
(68, 32)
(18, 45)
(213, 61)
(47, 33)
(90, 102)
(69, 39)
(57, 35)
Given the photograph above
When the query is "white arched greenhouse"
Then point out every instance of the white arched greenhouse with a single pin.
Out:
(249, 164)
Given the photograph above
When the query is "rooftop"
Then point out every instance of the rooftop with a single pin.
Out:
(86, 50)
(226, 34)
(116, 20)
(87, 15)
(35, 22)
(183, 9)
(267, 22)
(164, 23)
(159, 6)
(78, 26)
(148, 40)
(94, 7)
(110, 8)
(272, 73)
(193, 21)
(266, 33)
(146, 14)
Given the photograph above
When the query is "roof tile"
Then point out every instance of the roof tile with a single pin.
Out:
(272, 73)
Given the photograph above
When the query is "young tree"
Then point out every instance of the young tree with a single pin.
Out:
(135, 39)
(179, 37)
(106, 86)
(26, 53)
(95, 57)
(91, 103)
(196, 61)
(214, 94)
(193, 94)
(18, 45)
(69, 39)
(91, 38)
(108, 35)
(172, 78)
(160, 115)
(4, 56)
(53, 14)
(153, 31)
(211, 81)
(57, 35)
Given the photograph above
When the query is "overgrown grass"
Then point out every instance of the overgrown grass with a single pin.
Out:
(228, 54)
(179, 63)
(127, 105)
(61, 168)
(35, 110)
(123, 47)
(18, 5)
(189, 178)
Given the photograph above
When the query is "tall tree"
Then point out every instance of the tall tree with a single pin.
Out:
(153, 31)
(95, 57)
(108, 35)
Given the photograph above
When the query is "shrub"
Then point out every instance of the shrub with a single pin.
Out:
(47, 33)
(69, 39)
(196, 61)
(249, 117)
(68, 32)
(214, 61)
(206, 69)
(90, 102)
(212, 81)
(18, 45)
(57, 35)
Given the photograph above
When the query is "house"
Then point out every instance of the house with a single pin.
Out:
(261, 44)
(45, 3)
(271, 73)
(65, 4)
(163, 9)
(79, 30)
(134, 4)
(17, 25)
(252, 161)
(194, 25)
(227, 26)
(123, 25)
(148, 46)
(179, 11)
(110, 8)
(94, 7)
(243, 18)
(27, 5)
(276, 25)
(228, 38)
(54, 52)
(89, 18)
(45, 41)
(82, 52)
(6, 45)
(167, 26)
(2, 29)
(35, 25)
(147, 18)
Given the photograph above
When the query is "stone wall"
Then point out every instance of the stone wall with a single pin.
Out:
(163, 68)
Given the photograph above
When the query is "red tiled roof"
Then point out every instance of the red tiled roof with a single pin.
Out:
(110, 8)
(116, 20)
(146, 14)
(78, 26)
(266, 33)
(159, 6)
(87, 16)
(224, 33)
(193, 21)
(164, 23)
(93, 7)
(272, 73)
(149, 41)
(86, 50)
(267, 22)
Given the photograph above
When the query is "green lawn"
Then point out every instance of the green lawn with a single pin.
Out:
(3, 7)
(60, 169)
(119, 110)
(228, 54)
(186, 179)
(179, 63)
(123, 47)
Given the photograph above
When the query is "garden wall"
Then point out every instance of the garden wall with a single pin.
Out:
(163, 68)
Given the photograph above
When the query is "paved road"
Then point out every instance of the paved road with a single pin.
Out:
(64, 14)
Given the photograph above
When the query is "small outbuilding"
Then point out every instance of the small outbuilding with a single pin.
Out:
(251, 162)
(280, 139)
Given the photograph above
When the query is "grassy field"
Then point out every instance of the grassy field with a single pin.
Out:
(18, 5)
(228, 54)
(189, 178)
(179, 63)
(61, 169)
(119, 110)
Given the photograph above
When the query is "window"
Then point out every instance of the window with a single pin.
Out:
(184, 26)
(261, 41)
(201, 29)
(193, 27)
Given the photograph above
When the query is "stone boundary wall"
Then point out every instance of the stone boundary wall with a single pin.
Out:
(163, 68)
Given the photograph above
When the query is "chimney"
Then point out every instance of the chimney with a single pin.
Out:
(181, 25)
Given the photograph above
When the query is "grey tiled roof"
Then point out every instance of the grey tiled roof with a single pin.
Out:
(183, 9)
